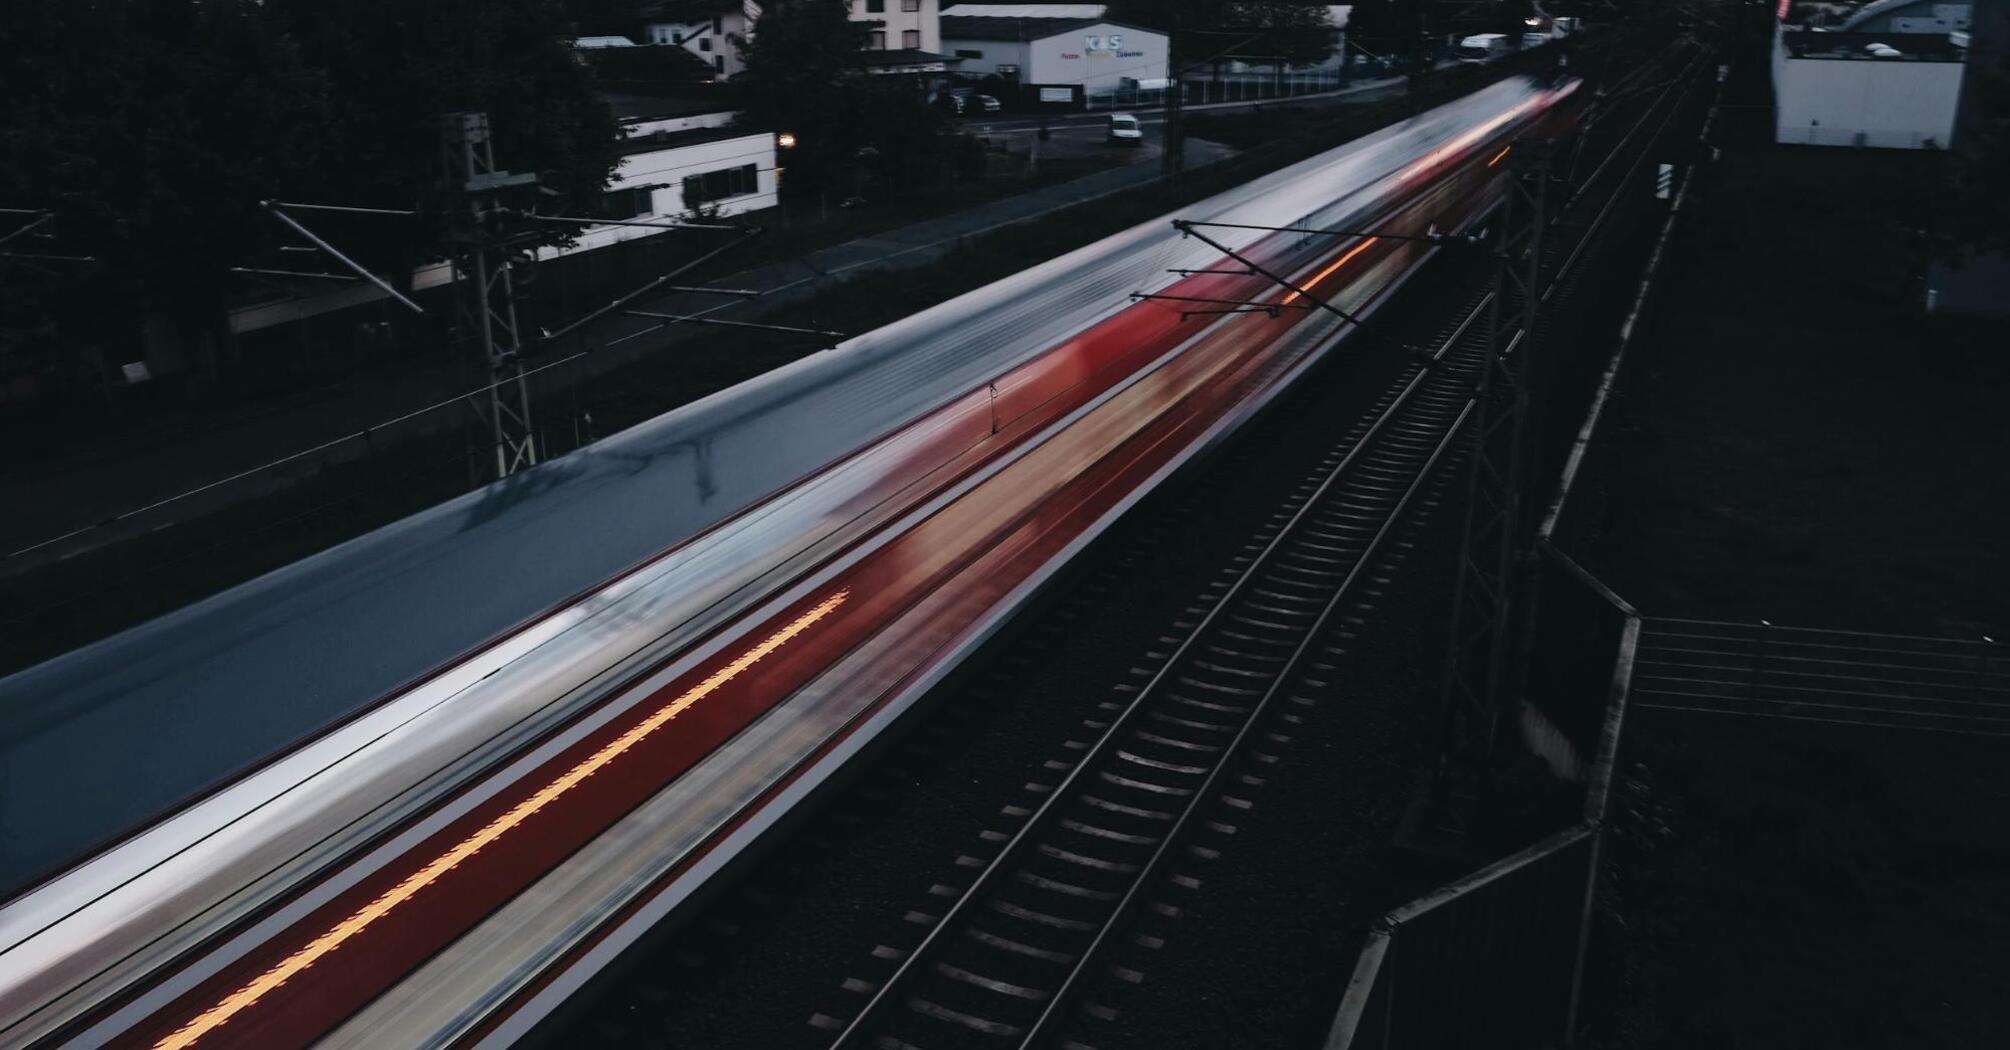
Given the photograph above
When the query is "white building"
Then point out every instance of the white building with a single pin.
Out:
(1888, 90)
(673, 164)
(709, 29)
(1085, 56)
(900, 25)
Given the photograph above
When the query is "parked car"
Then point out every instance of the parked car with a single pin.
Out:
(1125, 130)
(958, 101)
(1482, 47)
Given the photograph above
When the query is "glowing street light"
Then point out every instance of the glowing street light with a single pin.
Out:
(786, 140)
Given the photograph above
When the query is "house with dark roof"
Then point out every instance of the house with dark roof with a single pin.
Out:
(711, 30)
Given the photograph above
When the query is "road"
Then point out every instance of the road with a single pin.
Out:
(1079, 133)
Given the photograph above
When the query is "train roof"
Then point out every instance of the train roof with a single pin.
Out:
(114, 735)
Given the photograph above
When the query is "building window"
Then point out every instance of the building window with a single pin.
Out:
(715, 25)
(718, 185)
(626, 203)
(718, 63)
(705, 44)
(874, 7)
(964, 52)
(877, 41)
(910, 38)
(1009, 70)
(910, 5)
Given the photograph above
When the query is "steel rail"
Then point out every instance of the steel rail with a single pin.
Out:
(1590, 233)
(1253, 574)
(874, 1012)
(1285, 677)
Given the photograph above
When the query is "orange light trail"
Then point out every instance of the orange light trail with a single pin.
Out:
(1337, 263)
(265, 983)
(1498, 156)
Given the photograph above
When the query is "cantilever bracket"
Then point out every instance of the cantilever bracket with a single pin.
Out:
(1232, 306)
(1297, 292)
(1244, 272)
(277, 210)
(1431, 236)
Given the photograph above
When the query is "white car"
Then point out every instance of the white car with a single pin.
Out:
(1125, 130)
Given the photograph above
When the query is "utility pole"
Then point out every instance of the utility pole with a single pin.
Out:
(484, 241)
(1173, 161)
(1483, 662)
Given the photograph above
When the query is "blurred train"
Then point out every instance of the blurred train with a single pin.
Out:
(416, 789)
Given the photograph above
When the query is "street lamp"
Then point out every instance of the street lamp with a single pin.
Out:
(786, 140)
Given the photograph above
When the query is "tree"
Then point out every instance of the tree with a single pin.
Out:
(802, 77)
(1979, 206)
(1286, 31)
(1202, 32)
(154, 129)
(1387, 28)
(150, 129)
(393, 67)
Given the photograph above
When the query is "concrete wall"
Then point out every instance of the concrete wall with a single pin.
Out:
(994, 53)
(1097, 57)
(1888, 103)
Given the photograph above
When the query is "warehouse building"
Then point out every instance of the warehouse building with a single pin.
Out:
(1047, 57)
(1889, 77)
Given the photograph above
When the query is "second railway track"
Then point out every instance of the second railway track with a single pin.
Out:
(1014, 955)
(1039, 936)
(1009, 957)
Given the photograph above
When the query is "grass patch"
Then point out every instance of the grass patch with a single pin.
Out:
(1815, 885)
(1796, 442)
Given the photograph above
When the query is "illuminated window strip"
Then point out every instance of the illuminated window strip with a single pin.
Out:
(294, 964)
(1337, 263)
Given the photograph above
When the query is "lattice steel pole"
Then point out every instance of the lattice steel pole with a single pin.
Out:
(1480, 679)
(485, 321)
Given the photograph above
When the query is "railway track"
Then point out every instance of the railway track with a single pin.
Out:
(1101, 864)
(1035, 935)
(1112, 844)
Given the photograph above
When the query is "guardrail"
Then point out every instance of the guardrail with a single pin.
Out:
(1497, 958)
(1893, 681)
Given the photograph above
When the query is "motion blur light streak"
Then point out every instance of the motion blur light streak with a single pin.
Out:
(294, 964)
(1336, 265)
(1497, 157)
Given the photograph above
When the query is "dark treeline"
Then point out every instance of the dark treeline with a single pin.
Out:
(150, 130)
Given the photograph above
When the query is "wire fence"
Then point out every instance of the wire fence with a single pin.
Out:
(1498, 958)
(1248, 86)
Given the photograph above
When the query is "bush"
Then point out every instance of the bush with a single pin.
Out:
(967, 158)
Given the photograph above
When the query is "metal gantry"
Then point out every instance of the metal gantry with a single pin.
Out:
(485, 244)
(1483, 666)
